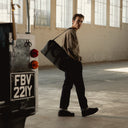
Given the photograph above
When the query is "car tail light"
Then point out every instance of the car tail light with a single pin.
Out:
(34, 64)
(34, 53)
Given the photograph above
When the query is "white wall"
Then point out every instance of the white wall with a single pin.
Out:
(103, 43)
(97, 43)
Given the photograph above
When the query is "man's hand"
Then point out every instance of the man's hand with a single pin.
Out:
(80, 58)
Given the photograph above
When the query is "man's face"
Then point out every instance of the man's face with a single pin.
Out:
(77, 22)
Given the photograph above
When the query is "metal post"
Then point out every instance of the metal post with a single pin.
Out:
(28, 17)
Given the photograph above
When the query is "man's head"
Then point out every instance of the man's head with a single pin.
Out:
(77, 21)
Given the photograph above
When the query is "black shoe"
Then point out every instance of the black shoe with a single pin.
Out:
(89, 111)
(65, 113)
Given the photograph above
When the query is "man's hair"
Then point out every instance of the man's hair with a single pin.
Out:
(77, 15)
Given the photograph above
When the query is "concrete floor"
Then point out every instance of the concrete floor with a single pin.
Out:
(106, 88)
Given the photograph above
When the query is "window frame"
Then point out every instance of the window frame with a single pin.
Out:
(78, 11)
(114, 16)
(126, 18)
(18, 12)
(34, 19)
(64, 26)
(100, 17)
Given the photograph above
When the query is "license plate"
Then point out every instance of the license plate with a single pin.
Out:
(22, 85)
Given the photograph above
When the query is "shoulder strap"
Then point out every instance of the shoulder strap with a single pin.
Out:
(61, 33)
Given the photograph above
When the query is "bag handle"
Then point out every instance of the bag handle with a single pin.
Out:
(61, 33)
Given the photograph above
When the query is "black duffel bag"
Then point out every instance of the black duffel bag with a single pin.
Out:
(57, 55)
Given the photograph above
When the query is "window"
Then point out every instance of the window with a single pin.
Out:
(64, 13)
(100, 12)
(32, 11)
(5, 11)
(115, 13)
(125, 11)
(40, 12)
(84, 7)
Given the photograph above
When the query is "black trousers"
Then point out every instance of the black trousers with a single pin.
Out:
(73, 76)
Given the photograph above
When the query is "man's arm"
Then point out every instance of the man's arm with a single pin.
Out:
(72, 46)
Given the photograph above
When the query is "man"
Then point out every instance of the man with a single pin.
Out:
(74, 74)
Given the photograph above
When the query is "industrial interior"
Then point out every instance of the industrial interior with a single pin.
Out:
(103, 43)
